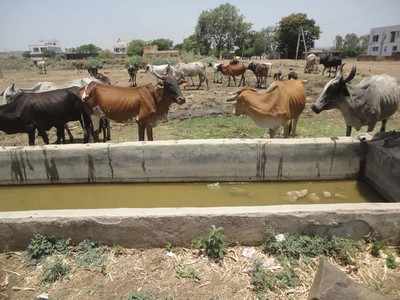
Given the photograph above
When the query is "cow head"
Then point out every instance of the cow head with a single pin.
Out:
(9, 93)
(252, 66)
(87, 92)
(334, 91)
(171, 89)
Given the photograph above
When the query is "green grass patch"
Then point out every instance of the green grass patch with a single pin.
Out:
(41, 246)
(139, 296)
(391, 261)
(54, 270)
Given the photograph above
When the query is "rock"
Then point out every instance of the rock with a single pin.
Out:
(43, 296)
(313, 197)
(326, 194)
(330, 283)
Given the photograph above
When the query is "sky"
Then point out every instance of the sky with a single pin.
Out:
(77, 22)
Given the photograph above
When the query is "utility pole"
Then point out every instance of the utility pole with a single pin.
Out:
(300, 36)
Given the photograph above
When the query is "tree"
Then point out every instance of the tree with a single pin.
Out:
(288, 30)
(135, 47)
(163, 44)
(88, 49)
(105, 54)
(352, 45)
(221, 29)
(339, 42)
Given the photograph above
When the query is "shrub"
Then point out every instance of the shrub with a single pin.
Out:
(294, 246)
(41, 246)
(391, 261)
(376, 247)
(164, 61)
(54, 270)
(135, 60)
(213, 244)
(139, 296)
(90, 255)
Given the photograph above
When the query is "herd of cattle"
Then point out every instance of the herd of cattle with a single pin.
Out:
(94, 101)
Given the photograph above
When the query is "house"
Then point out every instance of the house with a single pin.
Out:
(151, 52)
(42, 47)
(384, 41)
(120, 47)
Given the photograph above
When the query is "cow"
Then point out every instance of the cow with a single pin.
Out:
(280, 105)
(42, 66)
(233, 70)
(217, 74)
(132, 72)
(374, 99)
(147, 104)
(311, 63)
(330, 61)
(100, 125)
(261, 71)
(182, 70)
(158, 70)
(292, 74)
(29, 112)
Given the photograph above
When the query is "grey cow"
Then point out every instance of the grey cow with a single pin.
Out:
(374, 99)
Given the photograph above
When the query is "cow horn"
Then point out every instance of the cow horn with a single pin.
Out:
(352, 74)
(159, 76)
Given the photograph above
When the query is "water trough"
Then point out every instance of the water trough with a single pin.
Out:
(255, 160)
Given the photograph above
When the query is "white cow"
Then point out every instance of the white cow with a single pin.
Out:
(311, 63)
(217, 74)
(182, 70)
(160, 70)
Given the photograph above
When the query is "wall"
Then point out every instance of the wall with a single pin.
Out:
(179, 161)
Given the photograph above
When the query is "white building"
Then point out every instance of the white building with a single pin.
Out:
(384, 41)
(42, 47)
(120, 47)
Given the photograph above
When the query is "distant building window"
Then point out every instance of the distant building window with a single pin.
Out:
(43, 49)
(375, 38)
(392, 36)
(385, 49)
(375, 49)
(35, 49)
(394, 48)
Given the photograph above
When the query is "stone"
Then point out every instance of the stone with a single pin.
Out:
(330, 283)
(43, 296)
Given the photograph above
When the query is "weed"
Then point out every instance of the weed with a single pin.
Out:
(54, 270)
(90, 255)
(168, 247)
(41, 246)
(213, 245)
(139, 296)
(118, 250)
(376, 247)
(294, 246)
(187, 272)
(264, 280)
(391, 261)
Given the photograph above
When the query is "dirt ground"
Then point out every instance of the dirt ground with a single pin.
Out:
(155, 272)
(209, 106)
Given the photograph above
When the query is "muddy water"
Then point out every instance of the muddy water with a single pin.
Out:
(13, 198)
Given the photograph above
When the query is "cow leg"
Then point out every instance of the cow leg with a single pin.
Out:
(141, 129)
(71, 137)
(383, 126)
(60, 134)
(108, 129)
(272, 132)
(206, 80)
(294, 127)
(149, 133)
(44, 136)
(323, 71)
(348, 130)
(286, 129)
(31, 136)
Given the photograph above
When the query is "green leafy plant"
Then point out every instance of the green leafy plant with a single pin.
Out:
(376, 247)
(41, 246)
(213, 245)
(391, 261)
(90, 255)
(54, 270)
(168, 247)
(188, 272)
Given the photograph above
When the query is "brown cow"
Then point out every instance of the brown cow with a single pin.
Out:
(261, 72)
(147, 104)
(233, 70)
(280, 105)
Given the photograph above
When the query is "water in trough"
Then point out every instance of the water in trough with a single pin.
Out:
(148, 195)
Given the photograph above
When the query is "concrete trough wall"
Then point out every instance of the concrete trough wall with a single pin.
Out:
(382, 169)
(146, 228)
(179, 161)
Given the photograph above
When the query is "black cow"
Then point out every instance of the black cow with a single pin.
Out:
(31, 111)
(132, 71)
(330, 61)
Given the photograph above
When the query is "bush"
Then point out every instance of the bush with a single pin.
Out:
(54, 270)
(135, 60)
(41, 246)
(213, 245)
(90, 255)
(391, 261)
(94, 63)
(139, 296)
(294, 246)
(187, 272)
(376, 247)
